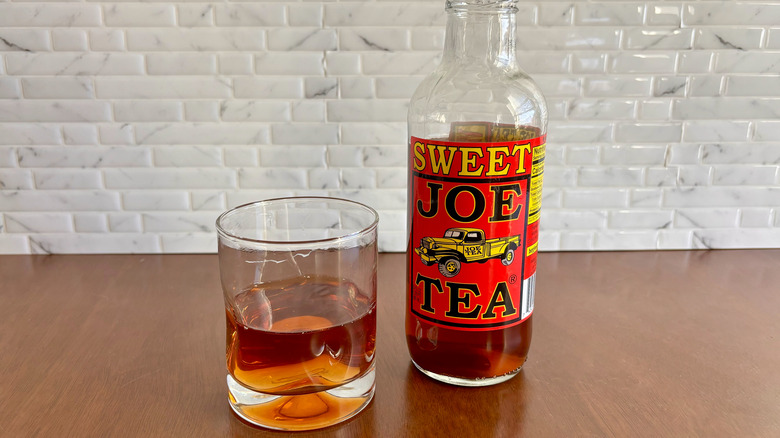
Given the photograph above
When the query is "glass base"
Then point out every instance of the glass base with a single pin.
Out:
(485, 381)
(302, 412)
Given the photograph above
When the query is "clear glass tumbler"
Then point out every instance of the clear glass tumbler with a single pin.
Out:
(299, 281)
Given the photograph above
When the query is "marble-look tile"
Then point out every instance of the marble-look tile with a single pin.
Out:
(730, 13)
(38, 223)
(148, 111)
(250, 14)
(397, 86)
(189, 243)
(16, 179)
(206, 134)
(313, 155)
(200, 40)
(601, 109)
(575, 241)
(170, 178)
(69, 40)
(768, 131)
(107, 40)
(254, 87)
(304, 14)
(379, 14)
(753, 85)
(708, 197)
(608, 14)
(614, 155)
(577, 198)
(705, 218)
(674, 239)
(724, 38)
(648, 132)
(162, 87)
(20, 134)
(589, 39)
(50, 15)
(67, 179)
(195, 15)
(365, 110)
(617, 86)
(641, 62)
(391, 133)
(293, 63)
(710, 131)
(273, 178)
(731, 175)
(25, 40)
(324, 179)
(740, 238)
(303, 38)
(72, 87)
(139, 15)
(624, 240)
(255, 110)
(14, 244)
(320, 88)
(610, 177)
(157, 200)
(658, 39)
(664, 14)
(308, 110)
(124, 222)
(740, 154)
(556, 13)
(201, 110)
(739, 108)
(387, 39)
(181, 64)
(187, 156)
(54, 111)
(755, 217)
(640, 219)
(195, 222)
(573, 219)
(58, 200)
(747, 62)
(314, 134)
(208, 200)
(126, 243)
(692, 176)
(90, 223)
(84, 156)
(235, 63)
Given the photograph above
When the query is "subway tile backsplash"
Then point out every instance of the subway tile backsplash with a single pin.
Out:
(128, 127)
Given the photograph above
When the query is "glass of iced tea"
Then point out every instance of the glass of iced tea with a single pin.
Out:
(299, 281)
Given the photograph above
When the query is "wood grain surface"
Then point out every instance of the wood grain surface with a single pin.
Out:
(641, 344)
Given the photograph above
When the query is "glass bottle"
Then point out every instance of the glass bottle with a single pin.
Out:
(477, 128)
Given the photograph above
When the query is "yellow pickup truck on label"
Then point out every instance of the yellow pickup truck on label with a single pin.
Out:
(465, 245)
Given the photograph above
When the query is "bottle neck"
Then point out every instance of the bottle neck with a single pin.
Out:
(480, 36)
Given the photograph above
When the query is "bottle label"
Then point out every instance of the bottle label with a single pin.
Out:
(475, 226)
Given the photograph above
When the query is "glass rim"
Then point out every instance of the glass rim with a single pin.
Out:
(222, 232)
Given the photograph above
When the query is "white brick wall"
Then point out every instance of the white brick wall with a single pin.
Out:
(128, 127)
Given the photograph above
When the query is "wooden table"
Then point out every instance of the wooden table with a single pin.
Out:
(642, 344)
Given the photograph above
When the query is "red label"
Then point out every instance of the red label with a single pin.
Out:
(474, 231)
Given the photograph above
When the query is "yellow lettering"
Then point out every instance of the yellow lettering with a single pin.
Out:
(496, 161)
(419, 156)
(470, 160)
(441, 162)
(526, 148)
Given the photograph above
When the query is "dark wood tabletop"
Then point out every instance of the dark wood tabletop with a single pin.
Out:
(639, 344)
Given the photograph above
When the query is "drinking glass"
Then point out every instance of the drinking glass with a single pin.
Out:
(299, 282)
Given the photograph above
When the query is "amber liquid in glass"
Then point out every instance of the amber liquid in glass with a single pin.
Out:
(297, 339)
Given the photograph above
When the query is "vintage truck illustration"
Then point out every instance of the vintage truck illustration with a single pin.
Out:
(465, 245)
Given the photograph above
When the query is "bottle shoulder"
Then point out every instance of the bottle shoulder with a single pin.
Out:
(499, 94)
